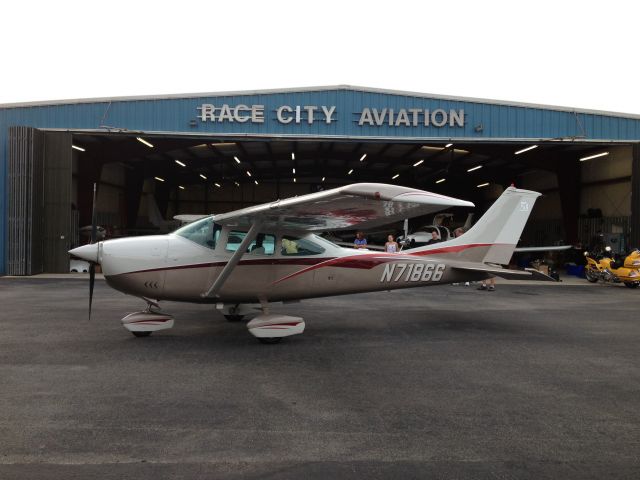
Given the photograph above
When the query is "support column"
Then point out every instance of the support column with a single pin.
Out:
(634, 221)
(89, 171)
(134, 183)
(568, 172)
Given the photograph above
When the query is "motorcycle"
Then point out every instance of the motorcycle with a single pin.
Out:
(609, 269)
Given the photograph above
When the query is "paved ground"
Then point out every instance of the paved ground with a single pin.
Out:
(447, 382)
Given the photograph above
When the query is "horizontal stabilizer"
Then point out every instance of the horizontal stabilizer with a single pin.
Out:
(526, 274)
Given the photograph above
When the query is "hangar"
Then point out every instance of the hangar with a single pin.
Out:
(154, 157)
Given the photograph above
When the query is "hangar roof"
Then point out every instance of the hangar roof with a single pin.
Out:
(353, 88)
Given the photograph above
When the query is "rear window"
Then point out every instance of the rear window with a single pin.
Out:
(299, 246)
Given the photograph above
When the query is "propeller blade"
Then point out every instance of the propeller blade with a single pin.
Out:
(92, 278)
(92, 266)
(94, 227)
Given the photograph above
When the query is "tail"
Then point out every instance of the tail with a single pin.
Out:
(494, 237)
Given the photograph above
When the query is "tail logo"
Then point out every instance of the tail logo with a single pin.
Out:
(524, 206)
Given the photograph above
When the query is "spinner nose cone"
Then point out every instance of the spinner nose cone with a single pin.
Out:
(87, 252)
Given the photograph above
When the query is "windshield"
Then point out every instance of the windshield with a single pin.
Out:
(203, 232)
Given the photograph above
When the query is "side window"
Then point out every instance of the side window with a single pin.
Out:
(263, 244)
(299, 246)
(203, 232)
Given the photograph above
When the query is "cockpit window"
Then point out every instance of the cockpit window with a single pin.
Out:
(203, 232)
(299, 246)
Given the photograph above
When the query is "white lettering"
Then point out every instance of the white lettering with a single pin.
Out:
(402, 267)
(439, 122)
(310, 111)
(365, 117)
(379, 118)
(236, 113)
(207, 112)
(402, 118)
(417, 272)
(414, 113)
(297, 113)
(328, 112)
(388, 272)
(225, 113)
(456, 118)
(437, 275)
(281, 117)
(257, 113)
(428, 272)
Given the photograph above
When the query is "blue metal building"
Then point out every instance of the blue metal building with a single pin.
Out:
(36, 140)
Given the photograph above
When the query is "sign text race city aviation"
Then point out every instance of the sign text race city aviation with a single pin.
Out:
(312, 114)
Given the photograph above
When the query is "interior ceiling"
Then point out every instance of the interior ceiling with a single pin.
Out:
(273, 161)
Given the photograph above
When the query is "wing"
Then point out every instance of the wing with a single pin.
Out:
(364, 205)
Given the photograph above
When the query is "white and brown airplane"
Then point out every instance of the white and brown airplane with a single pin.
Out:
(271, 253)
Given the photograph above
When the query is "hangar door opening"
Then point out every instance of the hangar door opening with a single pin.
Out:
(39, 201)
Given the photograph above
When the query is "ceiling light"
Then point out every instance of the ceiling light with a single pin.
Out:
(217, 185)
(441, 180)
(350, 172)
(294, 170)
(248, 173)
(395, 176)
(294, 179)
(594, 156)
(202, 176)
(180, 187)
(483, 185)
(142, 140)
(363, 157)
(323, 179)
(159, 179)
(237, 184)
(256, 182)
(419, 162)
(293, 156)
(475, 168)
(236, 159)
(180, 163)
(525, 149)
(448, 145)
(78, 148)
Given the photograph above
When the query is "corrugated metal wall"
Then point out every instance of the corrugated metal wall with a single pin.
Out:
(25, 177)
(57, 202)
(39, 199)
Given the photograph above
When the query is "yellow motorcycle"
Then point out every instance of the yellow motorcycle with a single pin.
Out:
(607, 268)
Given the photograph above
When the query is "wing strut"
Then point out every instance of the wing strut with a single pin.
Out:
(233, 261)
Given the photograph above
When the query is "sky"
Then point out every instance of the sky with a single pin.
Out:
(581, 54)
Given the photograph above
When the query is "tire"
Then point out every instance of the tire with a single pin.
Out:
(234, 318)
(270, 340)
(591, 277)
(141, 334)
(631, 284)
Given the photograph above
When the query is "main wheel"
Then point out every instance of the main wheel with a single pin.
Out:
(234, 318)
(590, 275)
(141, 334)
(631, 284)
(270, 340)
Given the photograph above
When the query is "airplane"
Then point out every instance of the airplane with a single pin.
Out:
(271, 253)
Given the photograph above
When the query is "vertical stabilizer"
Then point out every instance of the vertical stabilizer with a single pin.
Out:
(494, 236)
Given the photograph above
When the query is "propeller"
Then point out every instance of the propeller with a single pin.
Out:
(92, 265)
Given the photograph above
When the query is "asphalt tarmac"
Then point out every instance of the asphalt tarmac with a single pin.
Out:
(529, 381)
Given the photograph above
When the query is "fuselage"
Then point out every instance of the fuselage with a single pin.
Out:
(277, 266)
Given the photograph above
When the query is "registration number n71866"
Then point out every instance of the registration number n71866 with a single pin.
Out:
(412, 272)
